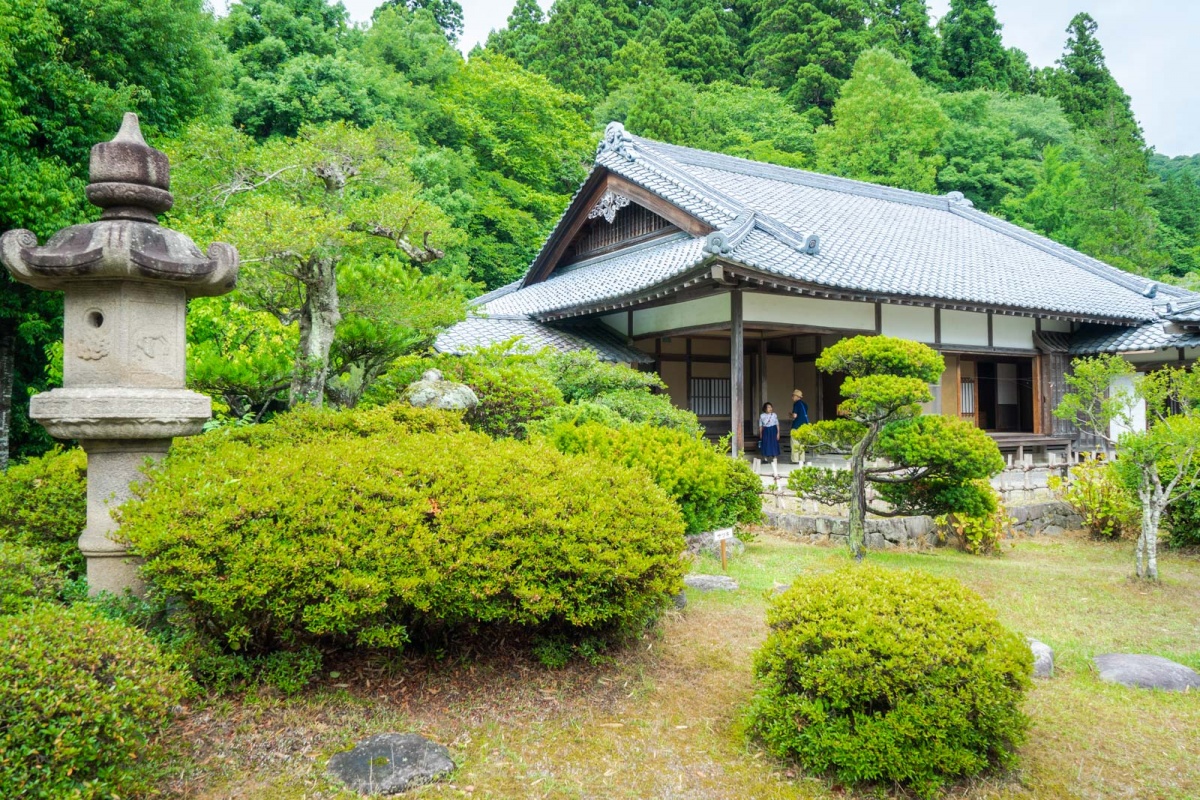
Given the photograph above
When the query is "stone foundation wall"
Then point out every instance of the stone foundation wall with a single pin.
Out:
(914, 532)
(1047, 518)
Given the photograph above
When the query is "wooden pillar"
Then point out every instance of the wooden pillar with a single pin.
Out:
(737, 369)
(762, 376)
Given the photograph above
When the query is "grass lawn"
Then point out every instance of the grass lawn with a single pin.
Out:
(662, 720)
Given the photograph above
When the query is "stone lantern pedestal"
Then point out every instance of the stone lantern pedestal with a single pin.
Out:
(126, 282)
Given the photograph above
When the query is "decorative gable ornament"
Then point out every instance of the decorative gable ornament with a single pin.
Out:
(608, 207)
(616, 140)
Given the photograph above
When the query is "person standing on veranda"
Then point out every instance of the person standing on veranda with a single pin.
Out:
(799, 417)
(768, 442)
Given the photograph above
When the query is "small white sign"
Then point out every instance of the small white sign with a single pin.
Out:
(723, 535)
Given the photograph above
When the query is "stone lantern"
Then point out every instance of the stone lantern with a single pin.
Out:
(126, 282)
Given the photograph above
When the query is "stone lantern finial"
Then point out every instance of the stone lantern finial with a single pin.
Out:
(126, 281)
(129, 178)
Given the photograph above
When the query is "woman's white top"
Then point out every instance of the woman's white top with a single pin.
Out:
(768, 420)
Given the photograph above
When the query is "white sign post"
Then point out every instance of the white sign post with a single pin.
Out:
(723, 536)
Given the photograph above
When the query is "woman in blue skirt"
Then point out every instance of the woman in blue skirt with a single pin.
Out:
(768, 443)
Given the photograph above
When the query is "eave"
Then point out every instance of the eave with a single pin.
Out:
(702, 277)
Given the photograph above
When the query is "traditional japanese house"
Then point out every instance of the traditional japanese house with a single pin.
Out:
(729, 277)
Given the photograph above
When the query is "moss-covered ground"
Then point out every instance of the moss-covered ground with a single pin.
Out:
(662, 719)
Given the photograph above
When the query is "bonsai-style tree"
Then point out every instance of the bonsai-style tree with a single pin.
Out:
(918, 464)
(1159, 463)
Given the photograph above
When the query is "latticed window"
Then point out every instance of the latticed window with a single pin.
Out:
(967, 397)
(710, 397)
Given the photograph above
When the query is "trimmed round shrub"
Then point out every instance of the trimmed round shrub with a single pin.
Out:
(80, 696)
(582, 376)
(43, 505)
(711, 489)
(893, 676)
(25, 578)
(510, 396)
(276, 543)
(651, 409)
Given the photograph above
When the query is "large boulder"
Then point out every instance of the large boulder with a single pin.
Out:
(390, 763)
(708, 583)
(1146, 672)
(433, 391)
(707, 544)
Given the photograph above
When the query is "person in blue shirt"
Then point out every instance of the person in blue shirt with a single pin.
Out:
(799, 417)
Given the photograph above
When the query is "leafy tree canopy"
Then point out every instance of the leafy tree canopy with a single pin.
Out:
(887, 127)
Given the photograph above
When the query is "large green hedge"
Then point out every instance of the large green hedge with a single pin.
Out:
(43, 505)
(25, 578)
(889, 676)
(711, 489)
(370, 527)
(80, 695)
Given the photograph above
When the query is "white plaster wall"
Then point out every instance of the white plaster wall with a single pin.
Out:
(808, 311)
(1013, 331)
(1137, 422)
(704, 311)
(908, 322)
(964, 327)
(1057, 325)
(618, 322)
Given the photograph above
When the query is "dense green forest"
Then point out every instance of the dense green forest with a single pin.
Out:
(375, 179)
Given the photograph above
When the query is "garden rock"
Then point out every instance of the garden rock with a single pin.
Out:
(1146, 672)
(390, 763)
(432, 391)
(1043, 659)
(704, 543)
(708, 583)
(1049, 518)
(680, 601)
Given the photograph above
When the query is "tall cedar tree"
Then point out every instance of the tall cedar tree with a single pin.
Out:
(1117, 221)
(447, 13)
(973, 53)
(806, 48)
(902, 27)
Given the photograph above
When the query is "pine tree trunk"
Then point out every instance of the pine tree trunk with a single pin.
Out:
(319, 317)
(8, 364)
(858, 494)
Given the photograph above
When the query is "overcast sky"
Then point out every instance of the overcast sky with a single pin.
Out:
(1150, 46)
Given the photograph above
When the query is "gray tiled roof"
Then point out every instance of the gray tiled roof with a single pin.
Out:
(475, 332)
(1157, 335)
(1185, 311)
(848, 236)
(873, 240)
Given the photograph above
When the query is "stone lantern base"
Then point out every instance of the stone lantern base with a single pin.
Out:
(122, 431)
